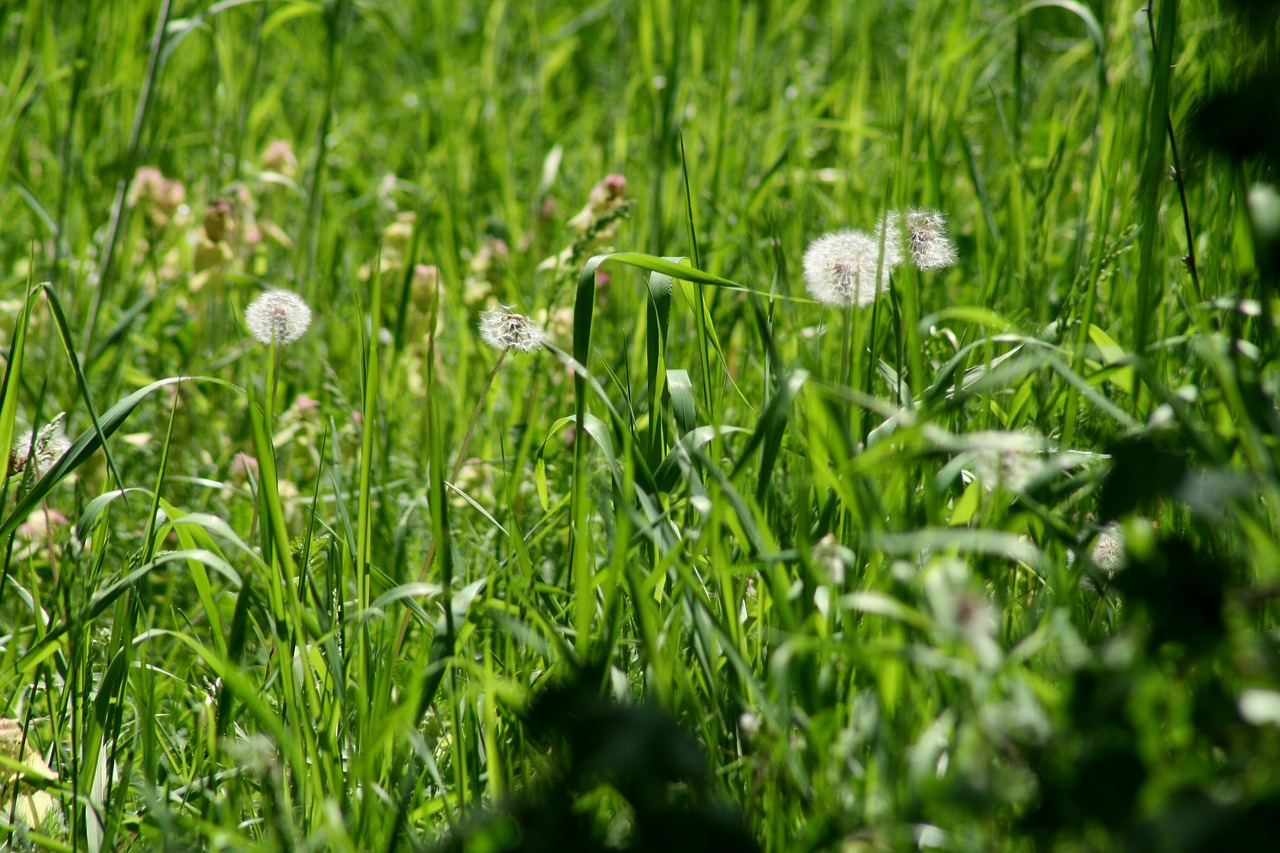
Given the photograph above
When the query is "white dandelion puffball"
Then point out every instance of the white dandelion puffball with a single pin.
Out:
(279, 315)
(502, 331)
(840, 268)
(927, 236)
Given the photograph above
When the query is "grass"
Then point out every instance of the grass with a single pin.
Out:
(719, 567)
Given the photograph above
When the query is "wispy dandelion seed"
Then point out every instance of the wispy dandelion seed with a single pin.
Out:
(840, 269)
(502, 331)
(49, 445)
(927, 238)
(279, 315)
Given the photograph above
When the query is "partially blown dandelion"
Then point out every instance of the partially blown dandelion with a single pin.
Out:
(278, 315)
(48, 446)
(1108, 552)
(503, 331)
(927, 238)
(840, 269)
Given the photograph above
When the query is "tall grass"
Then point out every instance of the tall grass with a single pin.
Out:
(718, 567)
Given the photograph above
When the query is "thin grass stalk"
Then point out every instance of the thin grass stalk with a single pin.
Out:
(119, 209)
(79, 74)
(1150, 278)
(1192, 267)
(455, 472)
(246, 98)
(700, 299)
(335, 15)
(364, 514)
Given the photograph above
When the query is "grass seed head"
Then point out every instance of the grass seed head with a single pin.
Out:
(278, 314)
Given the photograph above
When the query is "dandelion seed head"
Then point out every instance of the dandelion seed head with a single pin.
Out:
(840, 268)
(1108, 552)
(48, 446)
(278, 314)
(1108, 555)
(889, 233)
(502, 330)
(927, 238)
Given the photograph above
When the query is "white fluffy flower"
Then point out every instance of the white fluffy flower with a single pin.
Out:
(278, 314)
(48, 446)
(840, 269)
(503, 331)
(1108, 552)
(927, 238)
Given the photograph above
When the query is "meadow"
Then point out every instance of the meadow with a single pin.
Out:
(561, 494)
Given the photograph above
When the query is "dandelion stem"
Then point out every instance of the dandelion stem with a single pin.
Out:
(460, 460)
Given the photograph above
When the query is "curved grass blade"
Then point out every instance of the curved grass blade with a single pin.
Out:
(767, 437)
(680, 387)
(9, 389)
(52, 641)
(64, 333)
(87, 444)
(659, 315)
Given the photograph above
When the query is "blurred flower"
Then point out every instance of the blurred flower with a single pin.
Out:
(278, 157)
(1007, 459)
(475, 484)
(840, 268)
(212, 253)
(254, 754)
(1108, 552)
(504, 331)
(218, 221)
(33, 806)
(208, 260)
(961, 610)
(243, 465)
(831, 558)
(558, 322)
(393, 258)
(485, 269)
(40, 522)
(397, 236)
(596, 224)
(304, 404)
(278, 315)
(160, 197)
(1108, 555)
(606, 195)
(424, 287)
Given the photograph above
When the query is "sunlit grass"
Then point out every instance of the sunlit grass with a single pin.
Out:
(712, 563)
